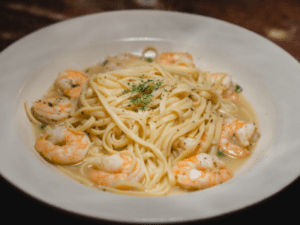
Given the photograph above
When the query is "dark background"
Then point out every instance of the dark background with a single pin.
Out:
(278, 21)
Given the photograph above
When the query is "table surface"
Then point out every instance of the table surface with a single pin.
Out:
(278, 21)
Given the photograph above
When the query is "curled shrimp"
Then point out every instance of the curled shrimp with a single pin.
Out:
(169, 58)
(127, 57)
(63, 146)
(118, 61)
(52, 110)
(201, 171)
(71, 82)
(185, 143)
(111, 170)
(226, 86)
(243, 131)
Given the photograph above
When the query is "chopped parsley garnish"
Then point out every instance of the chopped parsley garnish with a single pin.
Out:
(87, 70)
(43, 126)
(50, 104)
(144, 92)
(238, 89)
(149, 59)
(220, 154)
(125, 91)
(105, 62)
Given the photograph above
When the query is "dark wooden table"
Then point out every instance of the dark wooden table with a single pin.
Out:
(278, 21)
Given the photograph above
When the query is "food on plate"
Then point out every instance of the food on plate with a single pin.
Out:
(145, 126)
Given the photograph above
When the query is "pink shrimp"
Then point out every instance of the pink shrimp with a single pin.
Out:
(71, 82)
(117, 167)
(63, 146)
(242, 130)
(201, 171)
(169, 58)
(52, 110)
(118, 61)
(227, 86)
(184, 143)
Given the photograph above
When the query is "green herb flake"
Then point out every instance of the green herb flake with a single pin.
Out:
(125, 91)
(87, 70)
(144, 92)
(43, 126)
(75, 85)
(221, 154)
(238, 89)
(50, 104)
(149, 59)
(104, 63)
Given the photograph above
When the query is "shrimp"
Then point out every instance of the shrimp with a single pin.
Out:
(127, 57)
(169, 58)
(52, 110)
(226, 86)
(110, 170)
(243, 131)
(118, 61)
(201, 171)
(185, 143)
(63, 146)
(71, 82)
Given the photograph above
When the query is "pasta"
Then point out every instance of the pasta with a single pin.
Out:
(150, 113)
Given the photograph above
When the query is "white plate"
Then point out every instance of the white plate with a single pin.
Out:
(267, 73)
